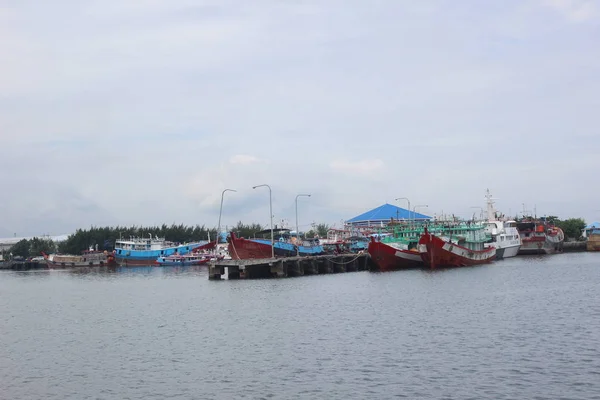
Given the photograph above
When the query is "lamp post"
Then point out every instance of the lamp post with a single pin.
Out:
(297, 231)
(417, 206)
(271, 215)
(220, 212)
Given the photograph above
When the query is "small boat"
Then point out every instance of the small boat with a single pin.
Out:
(89, 258)
(502, 233)
(178, 260)
(145, 251)
(461, 245)
(540, 236)
(284, 245)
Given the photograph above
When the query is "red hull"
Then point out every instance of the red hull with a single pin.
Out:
(207, 246)
(438, 253)
(388, 258)
(242, 249)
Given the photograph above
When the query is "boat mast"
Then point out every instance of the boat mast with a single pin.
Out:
(491, 211)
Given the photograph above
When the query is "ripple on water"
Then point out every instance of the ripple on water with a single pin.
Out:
(520, 328)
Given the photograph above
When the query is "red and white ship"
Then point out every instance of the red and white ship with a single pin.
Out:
(539, 236)
(461, 246)
(391, 256)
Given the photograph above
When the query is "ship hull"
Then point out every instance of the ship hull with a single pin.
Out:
(511, 251)
(182, 263)
(544, 246)
(388, 258)
(438, 253)
(148, 257)
(244, 249)
(593, 243)
(78, 262)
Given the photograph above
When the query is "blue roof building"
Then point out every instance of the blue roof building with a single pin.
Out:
(382, 215)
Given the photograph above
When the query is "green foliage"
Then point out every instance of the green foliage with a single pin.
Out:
(319, 229)
(21, 248)
(32, 247)
(245, 230)
(39, 245)
(572, 227)
(105, 237)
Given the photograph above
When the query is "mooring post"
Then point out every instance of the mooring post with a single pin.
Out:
(215, 272)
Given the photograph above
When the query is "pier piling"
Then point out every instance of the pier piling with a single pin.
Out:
(288, 267)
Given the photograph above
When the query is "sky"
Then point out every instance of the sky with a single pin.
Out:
(140, 112)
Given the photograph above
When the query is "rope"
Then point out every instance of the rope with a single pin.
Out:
(343, 263)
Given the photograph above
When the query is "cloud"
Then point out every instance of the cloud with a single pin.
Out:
(145, 111)
(574, 10)
(358, 167)
(243, 159)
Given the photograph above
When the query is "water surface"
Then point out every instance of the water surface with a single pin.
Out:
(527, 327)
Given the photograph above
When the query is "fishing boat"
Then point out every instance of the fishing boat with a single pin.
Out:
(185, 260)
(540, 236)
(502, 233)
(284, 245)
(397, 249)
(89, 258)
(145, 251)
(460, 244)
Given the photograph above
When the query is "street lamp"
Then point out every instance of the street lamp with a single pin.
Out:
(297, 231)
(417, 206)
(271, 215)
(405, 198)
(220, 212)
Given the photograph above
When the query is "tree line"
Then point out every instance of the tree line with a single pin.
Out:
(104, 238)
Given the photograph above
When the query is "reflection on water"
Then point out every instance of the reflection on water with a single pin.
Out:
(525, 327)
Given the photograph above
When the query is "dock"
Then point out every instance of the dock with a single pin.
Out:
(288, 266)
(574, 246)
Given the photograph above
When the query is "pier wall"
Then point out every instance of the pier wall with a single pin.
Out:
(289, 267)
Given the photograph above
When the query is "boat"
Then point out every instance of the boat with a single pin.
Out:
(502, 233)
(89, 258)
(145, 251)
(540, 236)
(460, 244)
(397, 249)
(177, 260)
(592, 233)
(284, 245)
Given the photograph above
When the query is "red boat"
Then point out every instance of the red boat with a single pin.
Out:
(243, 249)
(389, 258)
(463, 247)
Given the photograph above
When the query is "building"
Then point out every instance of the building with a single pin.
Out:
(383, 214)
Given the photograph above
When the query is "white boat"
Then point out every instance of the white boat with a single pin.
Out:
(503, 233)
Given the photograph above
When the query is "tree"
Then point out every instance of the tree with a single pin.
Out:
(572, 227)
(39, 245)
(319, 229)
(244, 230)
(21, 248)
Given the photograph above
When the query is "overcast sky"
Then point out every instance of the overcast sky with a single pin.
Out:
(143, 111)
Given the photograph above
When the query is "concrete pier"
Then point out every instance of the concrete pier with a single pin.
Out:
(574, 246)
(288, 266)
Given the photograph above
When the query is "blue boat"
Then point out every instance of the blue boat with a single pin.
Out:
(145, 251)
